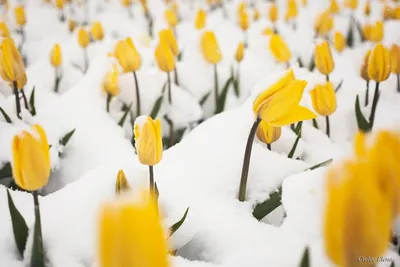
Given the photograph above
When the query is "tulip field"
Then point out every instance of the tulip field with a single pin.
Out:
(199, 133)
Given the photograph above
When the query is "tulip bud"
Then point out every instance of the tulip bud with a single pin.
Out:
(323, 23)
(239, 52)
(97, 31)
(388, 12)
(4, 32)
(352, 4)
(60, 4)
(210, 48)
(273, 13)
(12, 68)
(167, 36)
(244, 20)
(126, 3)
(339, 42)
(268, 134)
(19, 13)
(268, 31)
(379, 64)
(127, 55)
(367, 8)
(110, 82)
(279, 49)
(164, 57)
(72, 25)
(122, 184)
(364, 67)
(56, 56)
(200, 21)
(324, 99)
(377, 33)
(323, 58)
(395, 59)
(31, 159)
(334, 7)
(241, 8)
(367, 31)
(256, 14)
(83, 38)
(292, 9)
(171, 18)
(148, 139)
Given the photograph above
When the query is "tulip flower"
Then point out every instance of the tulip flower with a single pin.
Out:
(20, 17)
(367, 8)
(12, 70)
(212, 54)
(56, 61)
(83, 41)
(122, 184)
(256, 14)
(171, 18)
(334, 7)
(4, 32)
(244, 24)
(31, 170)
(277, 106)
(131, 234)
(166, 62)
(352, 4)
(168, 37)
(364, 75)
(60, 7)
(358, 216)
(323, 23)
(111, 86)
(279, 49)
(239, 52)
(292, 9)
(149, 145)
(395, 63)
(72, 25)
(268, 134)
(273, 13)
(129, 59)
(378, 71)
(323, 59)
(376, 32)
(200, 21)
(324, 102)
(339, 42)
(97, 31)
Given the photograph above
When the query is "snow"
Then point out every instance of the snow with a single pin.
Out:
(201, 172)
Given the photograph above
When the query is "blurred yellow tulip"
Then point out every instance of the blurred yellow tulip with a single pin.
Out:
(56, 56)
(126, 3)
(268, 31)
(395, 58)
(164, 57)
(324, 99)
(323, 23)
(122, 184)
(323, 58)
(292, 9)
(379, 64)
(127, 55)
(339, 41)
(334, 7)
(268, 134)
(239, 52)
(367, 8)
(4, 32)
(352, 4)
(200, 21)
(244, 20)
(149, 145)
(12, 68)
(170, 17)
(83, 38)
(20, 18)
(72, 25)
(273, 13)
(210, 48)
(256, 14)
(167, 36)
(97, 31)
(279, 49)
(110, 82)
(60, 4)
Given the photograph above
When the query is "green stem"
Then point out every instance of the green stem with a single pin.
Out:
(17, 101)
(216, 85)
(37, 248)
(109, 97)
(367, 95)
(374, 105)
(398, 82)
(137, 95)
(171, 131)
(246, 160)
(176, 79)
(327, 77)
(328, 127)
(85, 60)
(57, 82)
(151, 177)
(169, 88)
(269, 147)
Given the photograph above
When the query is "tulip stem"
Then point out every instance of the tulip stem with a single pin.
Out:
(328, 127)
(138, 108)
(17, 101)
(374, 105)
(85, 60)
(398, 82)
(245, 41)
(151, 176)
(57, 82)
(367, 95)
(269, 147)
(176, 76)
(246, 160)
(216, 85)
(37, 248)
(24, 98)
(169, 88)
(109, 97)
(171, 131)
(327, 77)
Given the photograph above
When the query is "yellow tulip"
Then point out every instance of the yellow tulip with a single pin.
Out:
(127, 55)
(110, 83)
(164, 57)
(60, 4)
(131, 234)
(268, 31)
(323, 23)
(31, 159)
(170, 17)
(126, 3)
(20, 17)
(268, 134)
(256, 14)
(72, 25)
(279, 104)
(273, 13)
(367, 31)
(324, 99)
(122, 184)
(304, 2)
(352, 4)
(12, 68)
(241, 8)
(358, 216)
(364, 66)
(210, 48)
(56, 56)
(334, 7)
(279, 49)
(239, 52)
(149, 146)
(83, 38)
(167, 36)
(4, 32)
(388, 12)
(395, 59)
(323, 58)
(367, 8)
(292, 9)
(397, 12)
(175, 8)
(379, 64)
(377, 32)
(200, 21)
(244, 20)
(97, 31)
(339, 42)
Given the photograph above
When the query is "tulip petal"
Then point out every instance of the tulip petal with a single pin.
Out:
(44, 143)
(16, 163)
(295, 114)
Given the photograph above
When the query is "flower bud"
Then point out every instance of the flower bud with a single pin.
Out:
(56, 56)
(379, 64)
(148, 139)
(167, 35)
(323, 58)
(83, 38)
(334, 7)
(324, 99)
(164, 57)
(122, 184)
(244, 20)
(239, 52)
(127, 55)
(279, 49)
(20, 17)
(200, 21)
(339, 42)
(210, 48)
(273, 13)
(97, 31)
(12, 68)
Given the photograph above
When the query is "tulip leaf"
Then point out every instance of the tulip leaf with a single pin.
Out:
(178, 224)
(157, 106)
(64, 141)
(321, 164)
(360, 30)
(125, 115)
(339, 86)
(32, 102)
(204, 98)
(315, 123)
(222, 97)
(300, 62)
(362, 122)
(305, 260)
(5, 115)
(20, 229)
(5, 171)
(349, 38)
(298, 131)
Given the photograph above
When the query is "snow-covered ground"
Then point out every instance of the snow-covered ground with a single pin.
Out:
(203, 170)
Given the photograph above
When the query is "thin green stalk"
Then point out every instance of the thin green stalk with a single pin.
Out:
(24, 98)
(58, 80)
(109, 97)
(328, 127)
(37, 248)
(315, 123)
(246, 160)
(374, 105)
(398, 82)
(171, 131)
(327, 77)
(176, 78)
(169, 88)
(138, 108)
(151, 178)
(17, 101)
(367, 95)
(85, 60)
(216, 85)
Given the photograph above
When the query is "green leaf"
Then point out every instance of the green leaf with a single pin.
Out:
(37, 258)
(339, 86)
(321, 164)
(305, 260)
(32, 102)
(178, 224)
(204, 98)
(5, 171)
(315, 123)
(64, 141)
(298, 131)
(311, 67)
(349, 38)
(300, 62)
(5, 115)
(263, 209)
(360, 30)
(20, 229)
(362, 122)
(125, 115)
(222, 97)
(157, 106)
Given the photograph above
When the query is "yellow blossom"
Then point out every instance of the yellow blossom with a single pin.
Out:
(379, 64)
(323, 23)
(56, 56)
(323, 58)
(364, 66)
(4, 32)
(72, 25)
(122, 184)
(12, 68)
(239, 52)
(279, 48)
(148, 139)
(334, 7)
(167, 36)
(200, 21)
(83, 38)
(324, 99)
(352, 4)
(273, 13)
(339, 41)
(244, 20)
(110, 82)
(268, 134)
(292, 9)
(170, 17)
(395, 59)
(127, 55)
(97, 31)
(20, 17)
(210, 48)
